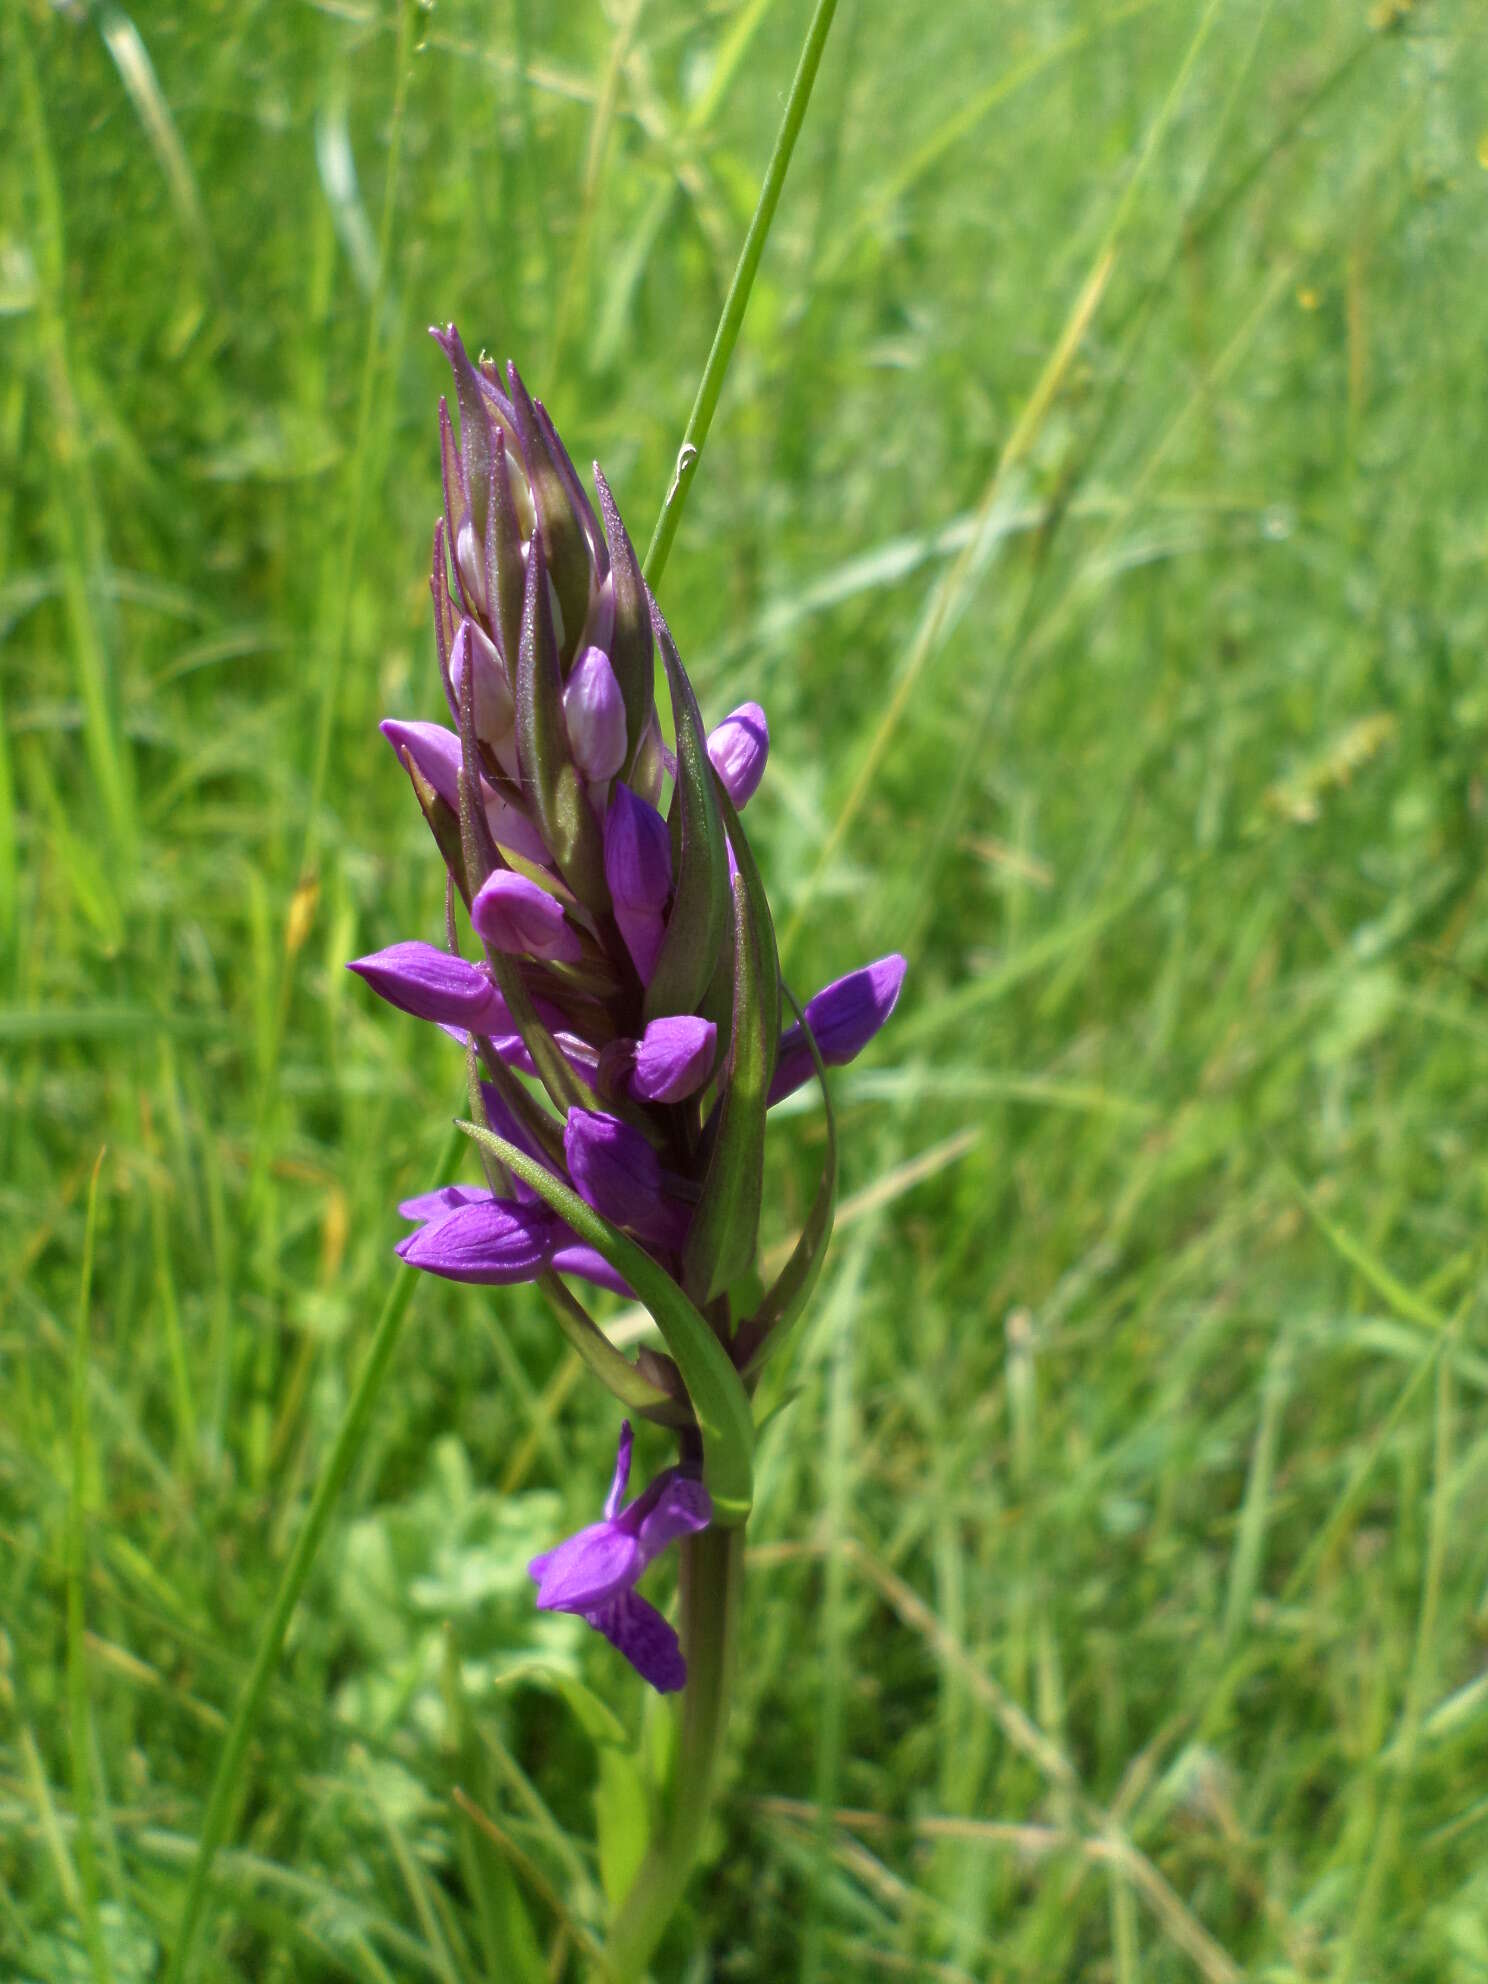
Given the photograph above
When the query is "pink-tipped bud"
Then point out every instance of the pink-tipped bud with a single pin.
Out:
(475, 653)
(739, 747)
(595, 710)
(470, 559)
(513, 914)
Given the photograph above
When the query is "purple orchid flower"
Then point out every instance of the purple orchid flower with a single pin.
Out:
(594, 1573)
(626, 972)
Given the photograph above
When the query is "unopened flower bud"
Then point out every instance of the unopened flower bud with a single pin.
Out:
(470, 557)
(673, 1058)
(638, 871)
(514, 914)
(619, 1174)
(491, 1241)
(596, 716)
(843, 1017)
(738, 748)
(495, 712)
(435, 752)
(649, 770)
(433, 985)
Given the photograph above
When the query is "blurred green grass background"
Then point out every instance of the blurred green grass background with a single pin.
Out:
(1097, 503)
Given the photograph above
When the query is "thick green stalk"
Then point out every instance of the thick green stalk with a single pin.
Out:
(227, 1784)
(712, 1581)
(737, 301)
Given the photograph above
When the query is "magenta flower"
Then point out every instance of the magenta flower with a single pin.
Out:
(594, 1573)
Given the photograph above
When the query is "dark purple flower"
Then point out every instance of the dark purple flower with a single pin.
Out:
(433, 985)
(739, 747)
(638, 872)
(844, 1016)
(515, 914)
(618, 1173)
(594, 1573)
(673, 1058)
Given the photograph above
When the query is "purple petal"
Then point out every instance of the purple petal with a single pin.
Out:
(590, 1265)
(673, 1058)
(514, 913)
(494, 1242)
(595, 711)
(622, 1472)
(844, 1017)
(433, 985)
(439, 1204)
(739, 747)
(638, 870)
(617, 1172)
(638, 852)
(586, 1569)
(634, 1627)
(682, 1507)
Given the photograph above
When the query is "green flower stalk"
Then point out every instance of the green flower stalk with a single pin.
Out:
(621, 1010)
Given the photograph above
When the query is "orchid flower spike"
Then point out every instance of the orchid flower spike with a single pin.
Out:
(619, 997)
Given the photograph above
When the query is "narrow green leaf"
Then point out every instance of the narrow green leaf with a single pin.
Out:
(614, 1371)
(700, 905)
(762, 1335)
(621, 1821)
(508, 1940)
(631, 648)
(712, 1382)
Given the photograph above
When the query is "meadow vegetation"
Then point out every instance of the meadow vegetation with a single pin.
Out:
(1098, 503)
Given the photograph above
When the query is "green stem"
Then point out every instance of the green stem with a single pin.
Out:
(228, 1782)
(712, 1579)
(737, 300)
